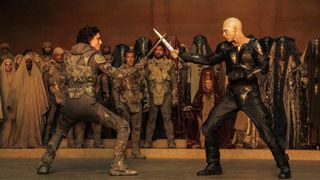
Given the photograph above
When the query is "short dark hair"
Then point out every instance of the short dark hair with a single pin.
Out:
(129, 51)
(86, 33)
(162, 45)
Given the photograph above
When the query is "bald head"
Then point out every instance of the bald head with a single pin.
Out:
(58, 53)
(232, 27)
(58, 50)
(233, 23)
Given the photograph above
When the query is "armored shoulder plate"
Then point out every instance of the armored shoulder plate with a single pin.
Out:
(257, 47)
(99, 59)
(223, 47)
(88, 55)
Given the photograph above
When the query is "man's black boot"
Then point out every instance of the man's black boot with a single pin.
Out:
(285, 173)
(43, 168)
(213, 168)
(282, 160)
(213, 160)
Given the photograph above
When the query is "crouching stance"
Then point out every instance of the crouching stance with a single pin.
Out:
(83, 65)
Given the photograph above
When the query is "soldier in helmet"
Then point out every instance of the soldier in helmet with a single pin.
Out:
(56, 76)
(83, 66)
(132, 97)
(5, 52)
(46, 51)
(106, 52)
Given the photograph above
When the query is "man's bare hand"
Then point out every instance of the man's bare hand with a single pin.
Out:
(143, 62)
(187, 108)
(175, 53)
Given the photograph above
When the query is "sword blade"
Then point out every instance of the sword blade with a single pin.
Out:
(156, 44)
(165, 42)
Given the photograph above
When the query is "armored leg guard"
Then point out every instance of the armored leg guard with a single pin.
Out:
(49, 155)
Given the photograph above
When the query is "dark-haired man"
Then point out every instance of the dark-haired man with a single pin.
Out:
(46, 51)
(132, 97)
(162, 82)
(5, 52)
(83, 64)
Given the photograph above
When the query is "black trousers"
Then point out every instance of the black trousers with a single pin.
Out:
(250, 104)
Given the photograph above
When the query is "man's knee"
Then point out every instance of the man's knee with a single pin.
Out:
(210, 123)
(263, 117)
(123, 125)
(152, 118)
(211, 140)
(167, 118)
(136, 125)
(63, 127)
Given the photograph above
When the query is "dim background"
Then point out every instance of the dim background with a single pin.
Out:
(26, 24)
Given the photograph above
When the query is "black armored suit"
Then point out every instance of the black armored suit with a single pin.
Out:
(242, 94)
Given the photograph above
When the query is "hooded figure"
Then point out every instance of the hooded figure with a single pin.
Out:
(5, 52)
(36, 59)
(284, 83)
(181, 70)
(142, 47)
(7, 72)
(266, 45)
(311, 75)
(1, 113)
(46, 50)
(118, 54)
(28, 103)
(17, 60)
(206, 98)
(199, 46)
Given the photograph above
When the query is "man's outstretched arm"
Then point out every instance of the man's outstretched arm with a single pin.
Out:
(212, 59)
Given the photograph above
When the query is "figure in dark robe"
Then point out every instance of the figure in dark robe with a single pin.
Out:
(181, 70)
(118, 54)
(205, 99)
(283, 93)
(311, 75)
(142, 47)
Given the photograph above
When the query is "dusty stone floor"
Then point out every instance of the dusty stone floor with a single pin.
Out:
(154, 169)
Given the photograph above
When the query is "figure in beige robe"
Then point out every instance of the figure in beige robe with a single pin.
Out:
(1, 113)
(28, 103)
(17, 60)
(7, 72)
